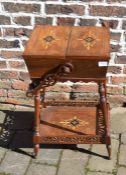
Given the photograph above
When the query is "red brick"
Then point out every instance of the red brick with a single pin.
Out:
(124, 90)
(24, 42)
(24, 108)
(114, 69)
(116, 100)
(124, 70)
(43, 21)
(108, 79)
(65, 9)
(5, 84)
(8, 31)
(20, 7)
(22, 32)
(20, 85)
(111, 1)
(125, 36)
(118, 80)
(59, 88)
(8, 74)
(124, 25)
(4, 20)
(19, 101)
(24, 76)
(9, 44)
(112, 23)
(114, 90)
(87, 22)
(11, 54)
(98, 10)
(3, 65)
(7, 107)
(83, 0)
(120, 59)
(57, 96)
(11, 101)
(17, 64)
(85, 88)
(3, 93)
(22, 20)
(115, 48)
(65, 21)
(16, 93)
(84, 96)
(0, 32)
(115, 36)
(18, 32)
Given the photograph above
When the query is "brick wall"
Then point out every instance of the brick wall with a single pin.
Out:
(17, 18)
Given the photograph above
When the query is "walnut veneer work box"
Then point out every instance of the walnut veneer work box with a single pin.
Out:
(61, 53)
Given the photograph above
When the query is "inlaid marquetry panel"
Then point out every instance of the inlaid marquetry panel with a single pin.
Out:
(89, 42)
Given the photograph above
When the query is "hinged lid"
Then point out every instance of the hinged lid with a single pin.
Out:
(67, 42)
(89, 42)
(48, 42)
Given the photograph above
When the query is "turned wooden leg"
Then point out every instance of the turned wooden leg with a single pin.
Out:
(36, 149)
(109, 149)
(37, 123)
(105, 110)
(108, 139)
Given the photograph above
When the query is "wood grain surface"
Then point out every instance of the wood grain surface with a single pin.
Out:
(50, 46)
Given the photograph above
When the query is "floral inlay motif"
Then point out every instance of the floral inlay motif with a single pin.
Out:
(89, 40)
(74, 122)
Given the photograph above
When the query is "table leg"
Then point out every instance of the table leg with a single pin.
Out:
(108, 140)
(105, 110)
(37, 122)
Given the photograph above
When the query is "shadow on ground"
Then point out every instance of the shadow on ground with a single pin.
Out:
(17, 130)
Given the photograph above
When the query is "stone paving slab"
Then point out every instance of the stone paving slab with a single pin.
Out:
(38, 169)
(73, 162)
(97, 163)
(48, 156)
(123, 138)
(2, 153)
(122, 155)
(118, 120)
(121, 171)
(97, 173)
(14, 163)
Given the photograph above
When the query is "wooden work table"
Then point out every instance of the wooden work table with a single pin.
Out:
(61, 53)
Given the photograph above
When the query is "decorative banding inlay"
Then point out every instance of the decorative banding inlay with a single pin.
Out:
(72, 139)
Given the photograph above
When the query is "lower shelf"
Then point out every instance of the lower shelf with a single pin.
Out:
(71, 125)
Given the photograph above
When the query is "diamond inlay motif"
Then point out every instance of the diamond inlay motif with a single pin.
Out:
(74, 122)
(49, 39)
(89, 40)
